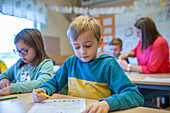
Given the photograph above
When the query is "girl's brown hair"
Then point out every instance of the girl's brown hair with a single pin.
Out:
(33, 39)
(148, 30)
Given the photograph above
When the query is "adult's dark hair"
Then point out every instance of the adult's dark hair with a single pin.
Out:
(33, 39)
(148, 30)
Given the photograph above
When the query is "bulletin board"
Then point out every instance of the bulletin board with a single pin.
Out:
(124, 25)
(52, 45)
(107, 24)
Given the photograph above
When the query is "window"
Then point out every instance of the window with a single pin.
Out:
(9, 27)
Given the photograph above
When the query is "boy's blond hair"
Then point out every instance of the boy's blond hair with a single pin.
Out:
(82, 24)
(116, 41)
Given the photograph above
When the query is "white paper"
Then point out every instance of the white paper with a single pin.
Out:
(59, 106)
(157, 79)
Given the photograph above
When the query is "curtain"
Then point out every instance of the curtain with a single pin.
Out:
(29, 9)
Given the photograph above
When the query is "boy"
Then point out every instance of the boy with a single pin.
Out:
(90, 76)
(116, 48)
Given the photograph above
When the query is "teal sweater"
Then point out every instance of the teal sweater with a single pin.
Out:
(25, 79)
(101, 79)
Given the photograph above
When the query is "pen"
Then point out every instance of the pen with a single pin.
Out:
(41, 93)
(8, 98)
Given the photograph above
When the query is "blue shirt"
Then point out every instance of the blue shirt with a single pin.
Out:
(101, 79)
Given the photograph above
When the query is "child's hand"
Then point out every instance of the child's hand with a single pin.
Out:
(123, 64)
(5, 91)
(123, 56)
(37, 96)
(4, 83)
(98, 107)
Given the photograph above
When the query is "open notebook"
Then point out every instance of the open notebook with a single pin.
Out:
(59, 106)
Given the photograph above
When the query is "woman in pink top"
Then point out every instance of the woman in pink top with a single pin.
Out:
(152, 54)
(152, 51)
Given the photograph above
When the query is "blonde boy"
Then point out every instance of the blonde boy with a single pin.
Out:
(90, 76)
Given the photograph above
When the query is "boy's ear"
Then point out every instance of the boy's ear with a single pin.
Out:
(100, 42)
(121, 49)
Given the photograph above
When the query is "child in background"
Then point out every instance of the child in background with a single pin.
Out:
(33, 68)
(90, 76)
(116, 48)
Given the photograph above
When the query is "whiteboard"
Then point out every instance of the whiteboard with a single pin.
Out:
(124, 25)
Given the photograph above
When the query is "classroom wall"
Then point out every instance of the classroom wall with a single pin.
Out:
(113, 3)
(57, 23)
(57, 26)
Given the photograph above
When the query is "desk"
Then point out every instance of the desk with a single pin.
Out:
(24, 103)
(137, 78)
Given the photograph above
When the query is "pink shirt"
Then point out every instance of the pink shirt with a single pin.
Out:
(154, 59)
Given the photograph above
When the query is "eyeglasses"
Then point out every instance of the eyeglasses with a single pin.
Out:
(24, 52)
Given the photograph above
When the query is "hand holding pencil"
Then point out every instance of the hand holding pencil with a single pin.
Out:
(39, 95)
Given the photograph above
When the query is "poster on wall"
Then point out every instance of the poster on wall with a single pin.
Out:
(107, 21)
(107, 39)
(107, 30)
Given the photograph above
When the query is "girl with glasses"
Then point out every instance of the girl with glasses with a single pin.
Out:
(33, 68)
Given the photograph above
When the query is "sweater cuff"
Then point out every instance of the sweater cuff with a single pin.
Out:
(115, 106)
(48, 91)
(14, 88)
(1, 77)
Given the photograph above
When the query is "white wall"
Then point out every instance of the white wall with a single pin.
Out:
(57, 26)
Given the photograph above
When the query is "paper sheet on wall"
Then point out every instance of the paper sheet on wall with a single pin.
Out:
(157, 79)
(59, 106)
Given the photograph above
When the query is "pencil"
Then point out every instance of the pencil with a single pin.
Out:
(7, 98)
(41, 93)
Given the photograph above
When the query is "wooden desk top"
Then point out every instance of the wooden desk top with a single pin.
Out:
(24, 103)
(138, 77)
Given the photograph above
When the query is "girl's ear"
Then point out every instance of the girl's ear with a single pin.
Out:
(100, 42)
